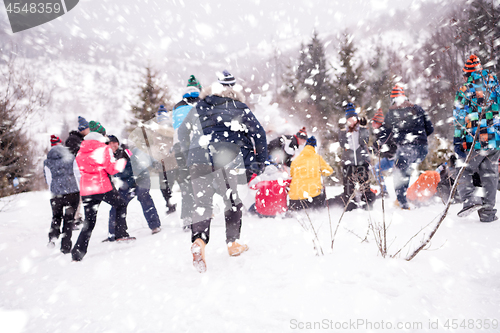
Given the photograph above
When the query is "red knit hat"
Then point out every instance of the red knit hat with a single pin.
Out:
(397, 91)
(378, 117)
(472, 64)
(54, 140)
(302, 134)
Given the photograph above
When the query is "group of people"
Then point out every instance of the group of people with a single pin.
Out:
(211, 143)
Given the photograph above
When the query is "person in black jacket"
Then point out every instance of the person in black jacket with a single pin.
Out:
(410, 126)
(73, 142)
(225, 145)
(283, 148)
(128, 188)
(75, 138)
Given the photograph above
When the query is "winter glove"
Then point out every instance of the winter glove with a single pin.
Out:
(257, 167)
(460, 151)
(362, 121)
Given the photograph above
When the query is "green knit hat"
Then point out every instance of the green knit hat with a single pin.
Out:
(193, 82)
(96, 126)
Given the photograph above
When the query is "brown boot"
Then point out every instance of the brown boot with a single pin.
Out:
(236, 249)
(198, 251)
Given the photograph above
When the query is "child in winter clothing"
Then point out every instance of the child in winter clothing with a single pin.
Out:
(272, 187)
(306, 188)
(62, 175)
(410, 126)
(476, 108)
(96, 162)
(355, 161)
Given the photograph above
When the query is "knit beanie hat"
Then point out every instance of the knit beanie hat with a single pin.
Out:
(161, 109)
(193, 82)
(227, 79)
(350, 111)
(398, 95)
(378, 117)
(113, 138)
(82, 124)
(191, 92)
(472, 64)
(311, 141)
(302, 134)
(96, 126)
(54, 140)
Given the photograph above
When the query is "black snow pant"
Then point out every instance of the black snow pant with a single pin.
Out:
(63, 209)
(91, 206)
(206, 182)
(316, 202)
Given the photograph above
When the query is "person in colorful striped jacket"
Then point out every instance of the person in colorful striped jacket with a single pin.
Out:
(477, 125)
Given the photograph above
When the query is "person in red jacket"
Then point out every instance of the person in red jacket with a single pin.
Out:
(96, 162)
(272, 188)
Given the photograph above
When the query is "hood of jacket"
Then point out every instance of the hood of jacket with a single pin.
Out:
(405, 104)
(59, 152)
(92, 141)
(218, 90)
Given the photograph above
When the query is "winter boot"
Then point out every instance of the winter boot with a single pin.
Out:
(171, 208)
(236, 249)
(52, 243)
(126, 239)
(198, 251)
(466, 211)
(404, 206)
(155, 230)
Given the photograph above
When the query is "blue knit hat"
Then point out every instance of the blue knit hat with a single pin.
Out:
(161, 109)
(311, 141)
(82, 124)
(350, 111)
(227, 79)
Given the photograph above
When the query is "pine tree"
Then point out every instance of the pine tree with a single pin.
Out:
(349, 85)
(380, 81)
(313, 76)
(19, 100)
(151, 96)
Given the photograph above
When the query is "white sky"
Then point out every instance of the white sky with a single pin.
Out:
(221, 26)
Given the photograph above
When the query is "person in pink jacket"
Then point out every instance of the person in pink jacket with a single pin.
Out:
(96, 162)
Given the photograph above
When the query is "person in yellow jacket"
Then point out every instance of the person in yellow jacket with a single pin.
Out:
(306, 189)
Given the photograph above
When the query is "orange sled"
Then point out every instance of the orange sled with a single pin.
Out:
(424, 188)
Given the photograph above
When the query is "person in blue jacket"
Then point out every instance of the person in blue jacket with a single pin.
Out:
(225, 145)
(477, 104)
(409, 126)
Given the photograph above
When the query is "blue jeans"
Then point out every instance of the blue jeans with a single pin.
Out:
(405, 157)
(148, 208)
(383, 165)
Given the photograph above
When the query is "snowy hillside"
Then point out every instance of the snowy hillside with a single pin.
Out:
(279, 285)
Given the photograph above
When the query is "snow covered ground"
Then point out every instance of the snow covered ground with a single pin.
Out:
(279, 285)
